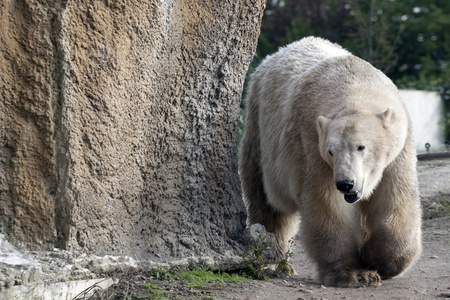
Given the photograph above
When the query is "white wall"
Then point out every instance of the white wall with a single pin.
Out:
(427, 111)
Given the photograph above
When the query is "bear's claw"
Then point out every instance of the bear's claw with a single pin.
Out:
(369, 278)
(353, 278)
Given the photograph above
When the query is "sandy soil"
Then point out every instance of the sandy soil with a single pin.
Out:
(428, 279)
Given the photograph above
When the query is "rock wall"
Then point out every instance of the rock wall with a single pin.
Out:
(29, 94)
(119, 123)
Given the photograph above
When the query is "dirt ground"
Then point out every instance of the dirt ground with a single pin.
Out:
(428, 279)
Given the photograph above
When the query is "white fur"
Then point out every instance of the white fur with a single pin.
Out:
(308, 99)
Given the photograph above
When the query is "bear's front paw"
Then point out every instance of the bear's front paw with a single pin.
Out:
(352, 278)
(368, 278)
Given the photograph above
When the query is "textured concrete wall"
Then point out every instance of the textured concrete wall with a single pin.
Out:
(427, 113)
(118, 124)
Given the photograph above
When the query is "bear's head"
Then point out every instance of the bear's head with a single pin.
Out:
(358, 147)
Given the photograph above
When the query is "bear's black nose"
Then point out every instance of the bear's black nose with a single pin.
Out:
(345, 186)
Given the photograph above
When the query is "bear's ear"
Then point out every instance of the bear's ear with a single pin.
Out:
(322, 125)
(388, 117)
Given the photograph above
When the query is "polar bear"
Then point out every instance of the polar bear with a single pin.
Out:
(328, 141)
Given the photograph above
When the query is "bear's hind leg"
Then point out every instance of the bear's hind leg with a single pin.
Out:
(283, 226)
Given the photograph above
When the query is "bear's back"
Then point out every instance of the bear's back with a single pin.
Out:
(298, 57)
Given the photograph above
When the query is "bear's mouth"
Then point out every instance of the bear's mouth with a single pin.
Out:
(353, 197)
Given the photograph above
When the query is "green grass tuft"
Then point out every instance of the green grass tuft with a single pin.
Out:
(199, 277)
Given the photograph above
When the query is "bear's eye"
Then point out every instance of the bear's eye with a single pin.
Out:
(361, 148)
(331, 153)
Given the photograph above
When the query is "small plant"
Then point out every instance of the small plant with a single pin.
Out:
(200, 277)
(445, 202)
(255, 260)
(155, 292)
(135, 296)
(162, 274)
(195, 281)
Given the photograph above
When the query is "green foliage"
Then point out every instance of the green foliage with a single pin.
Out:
(162, 274)
(136, 296)
(153, 293)
(255, 259)
(195, 279)
(402, 38)
(257, 262)
(199, 277)
(424, 52)
(285, 21)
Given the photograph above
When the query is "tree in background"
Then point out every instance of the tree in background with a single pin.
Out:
(371, 34)
(408, 40)
(287, 21)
